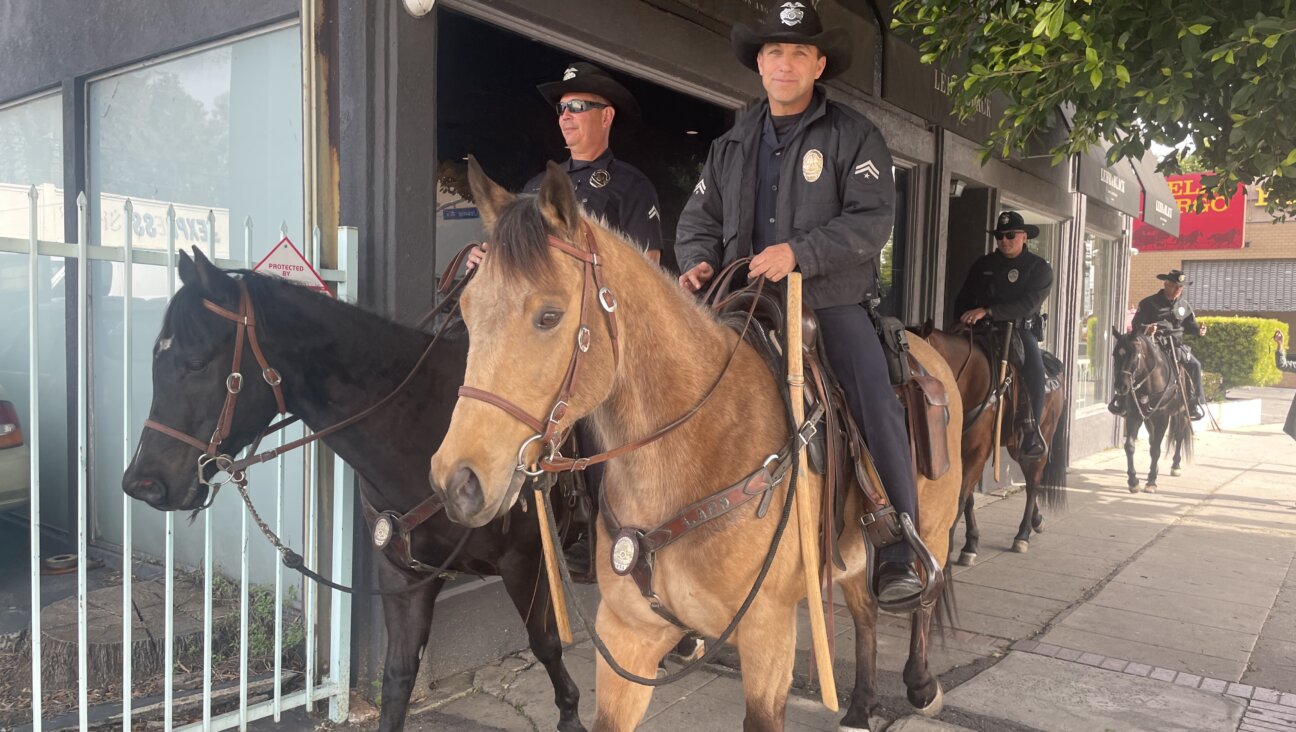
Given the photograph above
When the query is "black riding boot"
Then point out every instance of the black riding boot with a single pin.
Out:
(1031, 445)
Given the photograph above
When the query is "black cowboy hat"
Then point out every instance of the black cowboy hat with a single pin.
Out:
(1013, 221)
(793, 22)
(1175, 276)
(582, 76)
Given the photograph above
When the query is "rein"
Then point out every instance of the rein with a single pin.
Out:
(235, 471)
(1135, 385)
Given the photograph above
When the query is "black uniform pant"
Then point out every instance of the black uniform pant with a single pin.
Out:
(1194, 369)
(1033, 374)
(851, 345)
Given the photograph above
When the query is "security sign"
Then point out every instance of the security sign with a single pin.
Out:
(286, 261)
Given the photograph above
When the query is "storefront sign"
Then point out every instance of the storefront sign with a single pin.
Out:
(286, 261)
(925, 90)
(1115, 186)
(1160, 209)
(454, 214)
(1218, 225)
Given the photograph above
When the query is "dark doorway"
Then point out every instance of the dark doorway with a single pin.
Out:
(488, 106)
(969, 219)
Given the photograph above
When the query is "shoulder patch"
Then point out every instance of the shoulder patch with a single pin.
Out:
(700, 188)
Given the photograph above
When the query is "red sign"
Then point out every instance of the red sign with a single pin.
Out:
(1217, 226)
(286, 261)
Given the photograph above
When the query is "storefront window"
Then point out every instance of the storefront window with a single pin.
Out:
(892, 273)
(1048, 246)
(1095, 317)
(216, 133)
(31, 154)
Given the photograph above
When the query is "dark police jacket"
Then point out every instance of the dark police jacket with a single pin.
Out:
(1170, 317)
(618, 192)
(836, 199)
(1013, 289)
(1280, 360)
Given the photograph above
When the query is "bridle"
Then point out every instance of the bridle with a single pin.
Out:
(549, 431)
(1129, 376)
(245, 322)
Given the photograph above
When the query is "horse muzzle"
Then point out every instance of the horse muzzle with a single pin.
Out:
(465, 501)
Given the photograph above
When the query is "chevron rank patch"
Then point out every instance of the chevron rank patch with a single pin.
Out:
(700, 188)
(867, 169)
(653, 213)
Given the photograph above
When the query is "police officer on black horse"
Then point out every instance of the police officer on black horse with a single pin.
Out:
(1008, 286)
(1166, 315)
(802, 182)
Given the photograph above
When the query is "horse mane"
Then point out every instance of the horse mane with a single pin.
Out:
(520, 247)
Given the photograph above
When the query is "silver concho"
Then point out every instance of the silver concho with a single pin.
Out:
(382, 531)
(624, 551)
(792, 13)
(600, 178)
(1013, 275)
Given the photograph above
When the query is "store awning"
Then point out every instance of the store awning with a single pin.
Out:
(1160, 210)
(1114, 185)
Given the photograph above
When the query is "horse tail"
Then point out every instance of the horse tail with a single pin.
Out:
(1181, 434)
(1053, 481)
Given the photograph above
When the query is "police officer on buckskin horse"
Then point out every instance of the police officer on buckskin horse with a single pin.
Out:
(1167, 315)
(803, 182)
(1009, 285)
(587, 101)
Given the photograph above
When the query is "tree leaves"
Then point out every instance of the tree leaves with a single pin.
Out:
(1221, 76)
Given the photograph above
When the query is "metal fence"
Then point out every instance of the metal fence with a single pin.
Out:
(325, 617)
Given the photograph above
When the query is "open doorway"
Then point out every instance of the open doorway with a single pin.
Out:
(488, 106)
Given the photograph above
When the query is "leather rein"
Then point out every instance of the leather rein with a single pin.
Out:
(391, 530)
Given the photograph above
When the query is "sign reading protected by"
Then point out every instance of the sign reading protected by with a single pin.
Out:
(286, 261)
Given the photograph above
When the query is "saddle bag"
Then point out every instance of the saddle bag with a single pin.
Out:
(927, 405)
(895, 345)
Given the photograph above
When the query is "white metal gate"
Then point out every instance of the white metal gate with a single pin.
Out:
(324, 675)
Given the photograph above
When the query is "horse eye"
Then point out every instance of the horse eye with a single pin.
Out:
(547, 319)
(195, 365)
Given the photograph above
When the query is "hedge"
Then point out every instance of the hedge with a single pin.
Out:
(1241, 350)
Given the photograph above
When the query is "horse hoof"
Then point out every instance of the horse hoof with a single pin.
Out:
(1175, 472)
(937, 703)
(1151, 488)
(1134, 488)
(966, 559)
(1039, 526)
(571, 725)
(1021, 546)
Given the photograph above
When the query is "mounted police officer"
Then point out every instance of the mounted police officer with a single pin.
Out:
(802, 182)
(1167, 315)
(1009, 285)
(587, 101)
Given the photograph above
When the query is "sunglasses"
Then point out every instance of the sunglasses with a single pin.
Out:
(576, 106)
(1001, 235)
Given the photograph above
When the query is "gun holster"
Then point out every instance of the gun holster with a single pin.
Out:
(895, 345)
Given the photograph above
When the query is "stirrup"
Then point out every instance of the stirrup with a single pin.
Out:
(933, 577)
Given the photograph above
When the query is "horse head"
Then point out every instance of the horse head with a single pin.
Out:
(196, 383)
(1135, 361)
(541, 349)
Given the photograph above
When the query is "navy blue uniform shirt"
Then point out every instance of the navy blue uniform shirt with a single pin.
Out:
(618, 192)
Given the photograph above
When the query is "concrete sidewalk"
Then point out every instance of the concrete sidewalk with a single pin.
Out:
(1173, 610)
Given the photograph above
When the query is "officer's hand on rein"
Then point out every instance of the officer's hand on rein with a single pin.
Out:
(697, 277)
(972, 316)
(775, 263)
(476, 256)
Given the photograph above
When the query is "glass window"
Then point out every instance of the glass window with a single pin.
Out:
(1095, 318)
(1048, 246)
(891, 273)
(217, 134)
(31, 154)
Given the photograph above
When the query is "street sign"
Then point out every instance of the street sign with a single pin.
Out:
(286, 261)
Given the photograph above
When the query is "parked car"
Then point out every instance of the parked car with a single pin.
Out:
(15, 458)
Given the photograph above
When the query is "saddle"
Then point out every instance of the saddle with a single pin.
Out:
(837, 449)
(990, 341)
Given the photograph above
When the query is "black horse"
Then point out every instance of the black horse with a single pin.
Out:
(1151, 389)
(335, 360)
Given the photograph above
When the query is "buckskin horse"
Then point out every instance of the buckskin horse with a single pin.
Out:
(1152, 390)
(333, 360)
(569, 322)
(1045, 476)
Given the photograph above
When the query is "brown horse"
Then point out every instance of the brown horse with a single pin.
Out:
(648, 356)
(1152, 390)
(1045, 476)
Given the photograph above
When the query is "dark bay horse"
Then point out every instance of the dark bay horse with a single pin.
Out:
(645, 355)
(1152, 392)
(1046, 478)
(336, 360)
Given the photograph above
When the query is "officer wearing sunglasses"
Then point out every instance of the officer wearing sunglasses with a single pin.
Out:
(1009, 285)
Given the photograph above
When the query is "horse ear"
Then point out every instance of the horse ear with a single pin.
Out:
(206, 277)
(1116, 332)
(489, 196)
(558, 201)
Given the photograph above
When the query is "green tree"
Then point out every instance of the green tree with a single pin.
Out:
(1221, 75)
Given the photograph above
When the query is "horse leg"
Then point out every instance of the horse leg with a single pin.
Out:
(522, 575)
(925, 692)
(973, 534)
(1132, 425)
(1021, 542)
(767, 655)
(864, 612)
(1175, 431)
(636, 648)
(408, 617)
(1156, 433)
